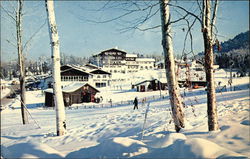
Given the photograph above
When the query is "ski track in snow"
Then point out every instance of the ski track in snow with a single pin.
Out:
(116, 132)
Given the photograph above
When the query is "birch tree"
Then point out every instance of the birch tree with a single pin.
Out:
(167, 45)
(21, 60)
(208, 23)
(55, 51)
(16, 15)
(15, 11)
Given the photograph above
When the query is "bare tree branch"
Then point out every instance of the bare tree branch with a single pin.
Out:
(188, 12)
(11, 43)
(33, 35)
(8, 13)
(182, 18)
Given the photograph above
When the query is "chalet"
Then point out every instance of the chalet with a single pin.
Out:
(150, 85)
(88, 73)
(71, 73)
(72, 94)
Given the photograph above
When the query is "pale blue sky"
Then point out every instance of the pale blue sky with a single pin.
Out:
(81, 38)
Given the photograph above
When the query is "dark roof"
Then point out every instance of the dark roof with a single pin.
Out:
(109, 50)
(98, 71)
(91, 66)
(78, 70)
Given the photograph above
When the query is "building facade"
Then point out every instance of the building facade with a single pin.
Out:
(94, 76)
(118, 61)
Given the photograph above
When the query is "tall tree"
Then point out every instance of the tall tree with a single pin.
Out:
(14, 10)
(167, 44)
(208, 23)
(21, 62)
(55, 50)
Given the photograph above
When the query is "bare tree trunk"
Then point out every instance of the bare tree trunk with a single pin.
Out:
(209, 61)
(58, 97)
(21, 61)
(175, 98)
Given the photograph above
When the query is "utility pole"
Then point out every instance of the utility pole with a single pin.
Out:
(56, 73)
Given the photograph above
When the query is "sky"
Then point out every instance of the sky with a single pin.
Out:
(80, 37)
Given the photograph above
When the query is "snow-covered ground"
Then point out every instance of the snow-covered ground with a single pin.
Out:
(4, 88)
(4, 92)
(116, 132)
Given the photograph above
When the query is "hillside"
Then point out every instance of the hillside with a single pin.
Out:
(240, 41)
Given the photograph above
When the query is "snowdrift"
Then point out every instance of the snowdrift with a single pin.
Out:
(30, 150)
(172, 145)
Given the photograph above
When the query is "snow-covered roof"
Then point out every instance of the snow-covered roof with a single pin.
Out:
(146, 59)
(71, 87)
(131, 55)
(86, 69)
(162, 80)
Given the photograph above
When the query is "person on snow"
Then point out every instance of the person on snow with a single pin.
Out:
(135, 103)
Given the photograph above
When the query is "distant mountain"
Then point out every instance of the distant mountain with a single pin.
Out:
(240, 41)
(232, 53)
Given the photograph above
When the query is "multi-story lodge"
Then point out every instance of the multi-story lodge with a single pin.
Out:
(118, 61)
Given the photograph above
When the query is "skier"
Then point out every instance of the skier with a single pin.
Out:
(135, 103)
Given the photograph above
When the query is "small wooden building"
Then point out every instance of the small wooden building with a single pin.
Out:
(150, 85)
(73, 94)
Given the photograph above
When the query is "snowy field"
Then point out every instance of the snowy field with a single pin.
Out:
(102, 131)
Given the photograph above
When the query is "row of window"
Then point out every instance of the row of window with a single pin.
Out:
(101, 76)
(99, 85)
(74, 78)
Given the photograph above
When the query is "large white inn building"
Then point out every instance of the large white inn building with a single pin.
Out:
(118, 61)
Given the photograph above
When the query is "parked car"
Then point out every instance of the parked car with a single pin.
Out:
(12, 95)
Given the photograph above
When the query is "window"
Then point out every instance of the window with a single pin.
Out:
(98, 76)
(104, 76)
(80, 78)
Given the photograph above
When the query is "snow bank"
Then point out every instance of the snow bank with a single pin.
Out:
(30, 150)
(118, 147)
(178, 146)
(175, 145)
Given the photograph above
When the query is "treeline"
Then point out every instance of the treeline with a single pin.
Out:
(37, 67)
(241, 62)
